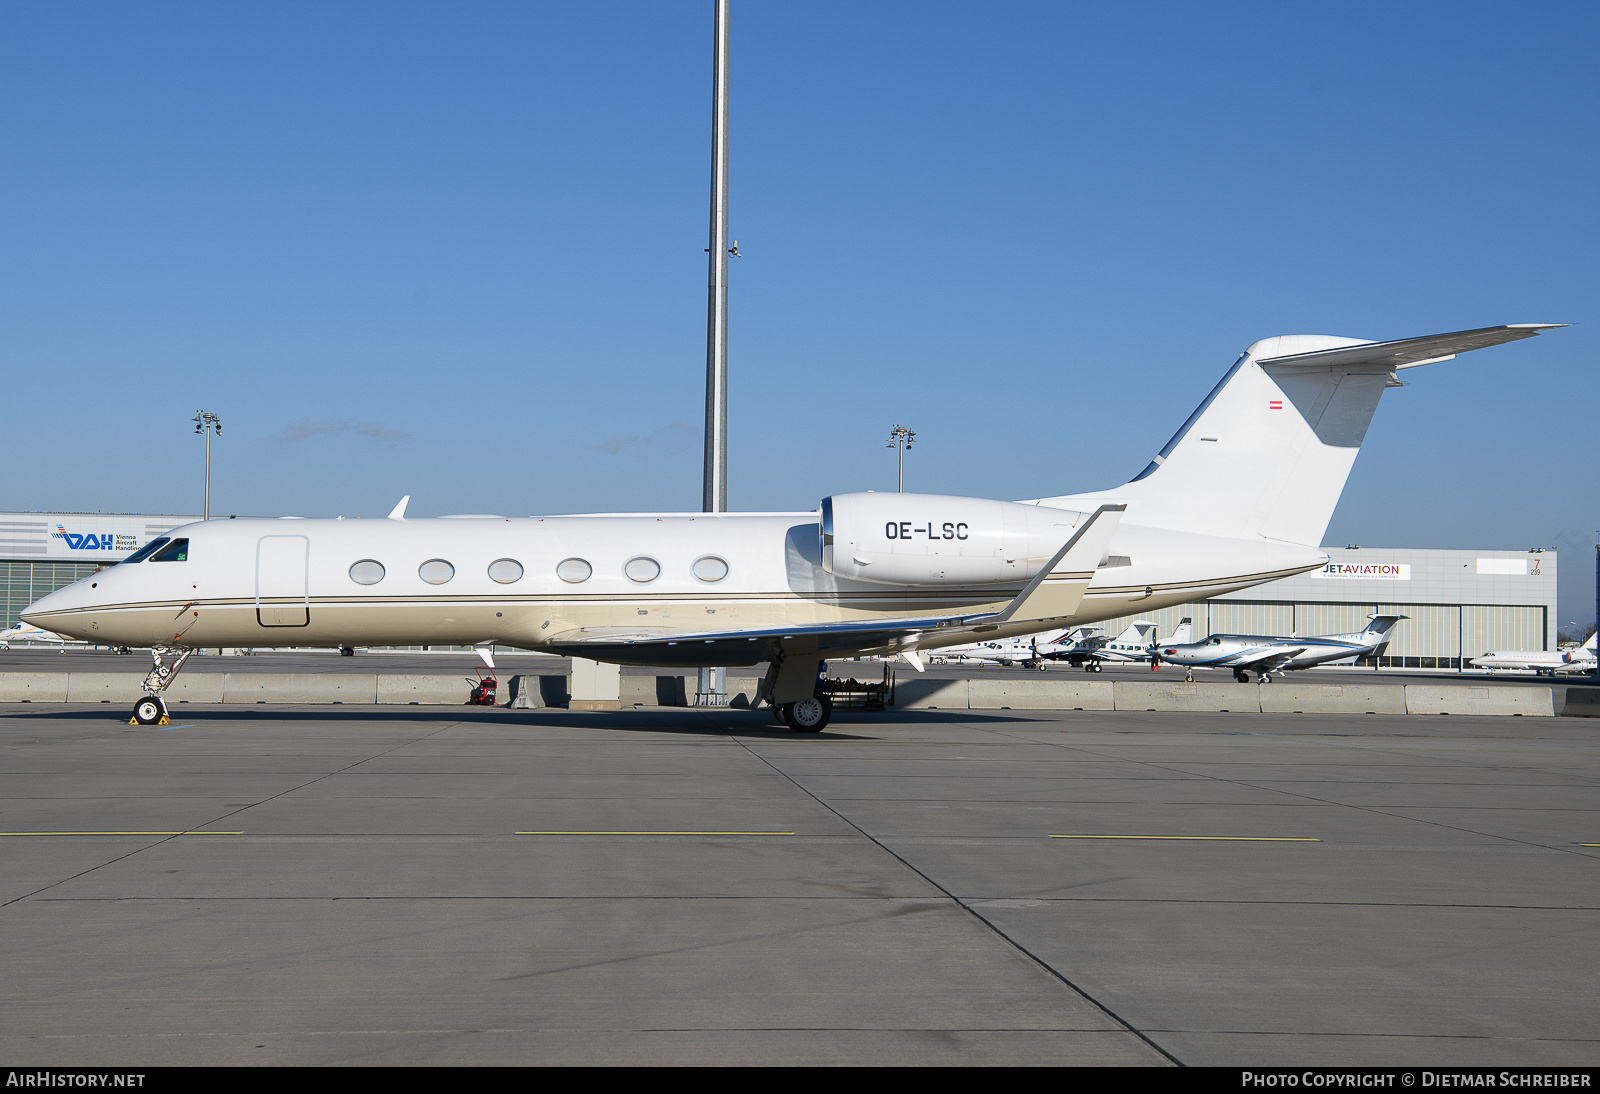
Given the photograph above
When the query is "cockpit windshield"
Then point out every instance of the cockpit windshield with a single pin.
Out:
(146, 551)
(176, 551)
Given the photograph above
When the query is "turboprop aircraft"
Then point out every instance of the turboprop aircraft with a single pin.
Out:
(1241, 495)
(1267, 655)
(1542, 662)
(1133, 644)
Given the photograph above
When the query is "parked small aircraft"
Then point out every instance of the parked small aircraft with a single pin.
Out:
(1133, 644)
(1003, 651)
(1267, 655)
(1240, 495)
(1542, 662)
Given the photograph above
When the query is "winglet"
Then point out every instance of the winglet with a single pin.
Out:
(399, 511)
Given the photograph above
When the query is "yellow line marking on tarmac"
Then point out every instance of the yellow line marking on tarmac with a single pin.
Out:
(563, 833)
(190, 832)
(1228, 839)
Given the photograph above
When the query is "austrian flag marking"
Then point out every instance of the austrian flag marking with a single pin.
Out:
(1276, 404)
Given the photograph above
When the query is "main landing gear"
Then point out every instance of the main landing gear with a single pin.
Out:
(1093, 666)
(152, 709)
(807, 715)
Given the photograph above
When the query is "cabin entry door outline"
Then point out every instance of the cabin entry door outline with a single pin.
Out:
(282, 581)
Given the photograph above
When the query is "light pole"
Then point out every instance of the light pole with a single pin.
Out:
(900, 438)
(711, 689)
(207, 423)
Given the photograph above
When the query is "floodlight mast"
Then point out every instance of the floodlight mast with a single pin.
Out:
(716, 456)
(900, 438)
(711, 689)
(207, 423)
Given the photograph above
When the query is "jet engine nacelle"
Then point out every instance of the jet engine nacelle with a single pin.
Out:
(937, 539)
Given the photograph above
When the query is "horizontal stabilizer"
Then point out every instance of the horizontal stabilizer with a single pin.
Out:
(1409, 352)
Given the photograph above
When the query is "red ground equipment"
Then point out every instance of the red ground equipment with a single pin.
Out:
(482, 689)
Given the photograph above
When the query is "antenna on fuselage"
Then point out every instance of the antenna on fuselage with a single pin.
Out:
(399, 511)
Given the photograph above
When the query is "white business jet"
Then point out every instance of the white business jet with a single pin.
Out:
(26, 634)
(1003, 651)
(1542, 662)
(1241, 495)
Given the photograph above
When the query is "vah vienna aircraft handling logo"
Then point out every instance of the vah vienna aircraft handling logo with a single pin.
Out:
(85, 541)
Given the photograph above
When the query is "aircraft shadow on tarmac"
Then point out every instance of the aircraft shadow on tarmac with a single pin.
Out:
(746, 723)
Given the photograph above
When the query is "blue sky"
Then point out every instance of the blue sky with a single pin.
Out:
(456, 250)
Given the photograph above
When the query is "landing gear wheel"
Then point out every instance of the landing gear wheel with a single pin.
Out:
(149, 711)
(807, 715)
(1264, 678)
(1240, 678)
(1188, 678)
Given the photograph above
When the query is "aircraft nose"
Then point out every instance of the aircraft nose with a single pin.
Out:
(39, 611)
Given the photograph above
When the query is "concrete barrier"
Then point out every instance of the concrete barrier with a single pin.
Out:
(1200, 698)
(128, 688)
(925, 694)
(1466, 699)
(404, 689)
(33, 687)
(1582, 702)
(922, 693)
(301, 687)
(1040, 694)
(596, 685)
(1357, 698)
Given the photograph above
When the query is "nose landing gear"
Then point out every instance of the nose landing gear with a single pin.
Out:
(152, 709)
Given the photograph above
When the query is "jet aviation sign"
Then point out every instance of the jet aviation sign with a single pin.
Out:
(1366, 571)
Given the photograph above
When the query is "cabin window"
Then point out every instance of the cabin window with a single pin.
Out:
(176, 551)
(436, 571)
(642, 569)
(710, 568)
(367, 572)
(505, 570)
(574, 570)
(147, 550)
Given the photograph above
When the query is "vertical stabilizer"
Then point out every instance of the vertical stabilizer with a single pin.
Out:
(1266, 455)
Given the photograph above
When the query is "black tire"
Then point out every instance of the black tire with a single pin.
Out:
(347, 651)
(147, 711)
(808, 715)
(1240, 678)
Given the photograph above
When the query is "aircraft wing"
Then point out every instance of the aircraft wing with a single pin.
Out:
(1267, 660)
(1410, 352)
(1069, 571)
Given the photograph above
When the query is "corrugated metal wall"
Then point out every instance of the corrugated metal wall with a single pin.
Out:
(1312, 620)
(1434, 630)
(1258, 618)
(1486, 627)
